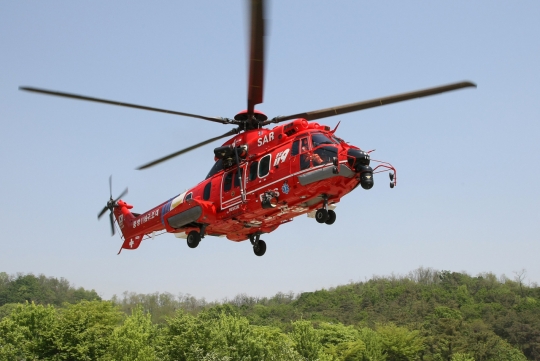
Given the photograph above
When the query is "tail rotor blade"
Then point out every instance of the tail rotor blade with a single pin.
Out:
(121, 195)
(105, 209)
(110, 185)
(111, 217)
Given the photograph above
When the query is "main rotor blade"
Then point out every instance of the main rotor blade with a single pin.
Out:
(256, 56)
(185, 150)
(329, 112)
(113, 102)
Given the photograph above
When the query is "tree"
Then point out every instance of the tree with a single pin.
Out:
(134, 340)
(375, 350)
(399, 343)
(84, 330)
(29, 330)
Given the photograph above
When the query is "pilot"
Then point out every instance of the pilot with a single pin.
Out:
(306, 157)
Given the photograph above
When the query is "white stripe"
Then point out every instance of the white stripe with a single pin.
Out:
(274, 182)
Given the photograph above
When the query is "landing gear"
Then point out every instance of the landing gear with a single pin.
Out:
(325, 215)
(321, 215)
(331, 217)
(259, 246)
(193, 239)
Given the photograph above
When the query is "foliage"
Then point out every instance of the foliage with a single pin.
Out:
(41, 290)
(399, 343)
(84, 330)
(426, 315)
(134, 340)
(219, 334)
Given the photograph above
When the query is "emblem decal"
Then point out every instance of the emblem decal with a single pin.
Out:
(280, 157)
(285, 188)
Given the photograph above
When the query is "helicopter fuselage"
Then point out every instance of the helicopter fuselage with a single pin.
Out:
(262, 179)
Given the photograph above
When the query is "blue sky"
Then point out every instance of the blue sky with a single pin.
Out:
(467, 195)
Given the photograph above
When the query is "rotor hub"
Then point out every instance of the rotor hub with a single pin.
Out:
(257, 115)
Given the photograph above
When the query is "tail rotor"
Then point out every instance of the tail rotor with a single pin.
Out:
(111, 204)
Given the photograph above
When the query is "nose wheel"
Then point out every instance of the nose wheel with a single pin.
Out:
(259, 246)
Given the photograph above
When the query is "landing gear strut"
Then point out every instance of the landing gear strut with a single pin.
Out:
(259, 246)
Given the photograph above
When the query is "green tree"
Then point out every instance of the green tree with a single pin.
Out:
(462, 357)
(375, 349)
(399, 343)
(13, 341)
(306, 339)
(220, 334)
(134, 340)
(30, 328)
(84, 330)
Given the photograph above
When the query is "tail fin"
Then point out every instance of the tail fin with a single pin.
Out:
(125, 220)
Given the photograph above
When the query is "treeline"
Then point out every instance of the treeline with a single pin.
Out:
(40, 289)
(426, 315)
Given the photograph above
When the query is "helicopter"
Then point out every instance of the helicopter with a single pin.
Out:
(262, 177)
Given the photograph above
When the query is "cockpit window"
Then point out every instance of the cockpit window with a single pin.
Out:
(216, 168)
(318, 139)
(337, 139)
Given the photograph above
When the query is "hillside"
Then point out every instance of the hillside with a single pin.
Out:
(425, 315)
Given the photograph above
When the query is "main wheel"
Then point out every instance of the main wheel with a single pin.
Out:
(260, 248)
(193, 239)
(321, 215)
(331, 217)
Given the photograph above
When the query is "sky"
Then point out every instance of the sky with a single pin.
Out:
(467, 190)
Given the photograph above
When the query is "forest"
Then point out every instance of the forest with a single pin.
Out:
(426, 315)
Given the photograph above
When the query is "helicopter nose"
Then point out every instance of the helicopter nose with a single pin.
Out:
(357, 157)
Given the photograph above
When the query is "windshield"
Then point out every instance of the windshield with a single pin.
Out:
(318, 139)
(216, 168)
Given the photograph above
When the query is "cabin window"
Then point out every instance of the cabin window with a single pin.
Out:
(207, 189)
(236, 178)
(189, 196)
(253, 170)
(295, 150)
(264, 166)
(227, 182)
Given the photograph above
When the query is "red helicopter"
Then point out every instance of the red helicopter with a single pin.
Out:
(262, 178)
